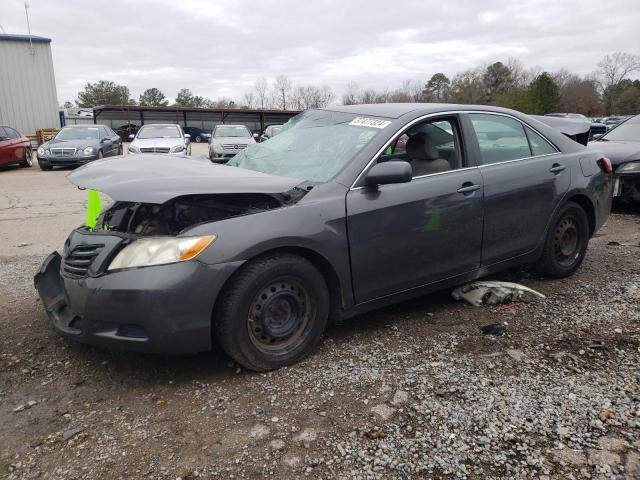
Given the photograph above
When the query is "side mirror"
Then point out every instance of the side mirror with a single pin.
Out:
(131, 136)
(389, 172)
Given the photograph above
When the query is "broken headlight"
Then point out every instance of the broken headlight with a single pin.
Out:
(631, 167)
(145, 252)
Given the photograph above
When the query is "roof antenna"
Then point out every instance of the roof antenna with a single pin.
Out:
(26, 12)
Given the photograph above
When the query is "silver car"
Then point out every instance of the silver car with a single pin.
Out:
(228, 140)
(160, 138)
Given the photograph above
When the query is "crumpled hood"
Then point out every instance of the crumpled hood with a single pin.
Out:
(148, 178)
(79, 144)
(617, 152)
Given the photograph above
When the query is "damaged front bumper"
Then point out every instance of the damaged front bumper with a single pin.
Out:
(160, 309)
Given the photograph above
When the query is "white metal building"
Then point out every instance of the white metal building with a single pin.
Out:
(28, 98)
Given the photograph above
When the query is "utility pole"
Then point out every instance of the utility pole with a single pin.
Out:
(26, 12)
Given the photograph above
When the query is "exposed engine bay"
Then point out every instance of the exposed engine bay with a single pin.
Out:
(177, 214)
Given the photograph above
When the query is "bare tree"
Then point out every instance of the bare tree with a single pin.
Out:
(351, 94)
(281, 91)
(261, 88)
(612, 70)
(249, 100)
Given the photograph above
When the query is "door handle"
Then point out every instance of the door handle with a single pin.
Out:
(557, 168)
(468, 187)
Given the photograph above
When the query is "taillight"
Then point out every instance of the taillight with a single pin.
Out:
(605, 165)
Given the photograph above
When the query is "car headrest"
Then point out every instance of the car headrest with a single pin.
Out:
(419, 147)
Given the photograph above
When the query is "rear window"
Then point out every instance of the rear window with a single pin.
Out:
(500, 138)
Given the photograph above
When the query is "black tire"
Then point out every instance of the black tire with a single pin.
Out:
(272, 312)
(45, 168)
(120, 151)
(100, 155)
(28, 158)
(198, 139)
(566, 243)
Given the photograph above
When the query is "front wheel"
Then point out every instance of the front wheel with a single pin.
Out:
(566, 243)
(198, 139)
(273, 312)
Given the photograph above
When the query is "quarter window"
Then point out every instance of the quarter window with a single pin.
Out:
(500, 138)
(539, 146)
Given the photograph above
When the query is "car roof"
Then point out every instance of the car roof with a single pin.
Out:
(88, 125)
(396, 110)
(160, 125)
(230, 125)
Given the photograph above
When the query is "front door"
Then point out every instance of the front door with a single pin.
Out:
(525, 179)
(407, 235)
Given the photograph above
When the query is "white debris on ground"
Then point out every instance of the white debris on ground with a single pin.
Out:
(492, 293)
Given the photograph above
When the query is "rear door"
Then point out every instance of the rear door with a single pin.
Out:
(407, 235)
(524, 178)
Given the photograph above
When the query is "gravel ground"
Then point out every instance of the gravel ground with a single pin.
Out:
(411, 391)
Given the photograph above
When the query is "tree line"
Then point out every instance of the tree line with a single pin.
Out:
(608, 90)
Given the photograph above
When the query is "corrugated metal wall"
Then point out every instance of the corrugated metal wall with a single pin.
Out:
(28, 98)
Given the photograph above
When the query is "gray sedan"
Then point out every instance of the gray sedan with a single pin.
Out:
(347, 210)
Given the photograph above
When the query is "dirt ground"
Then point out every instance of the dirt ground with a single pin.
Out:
(411, 391)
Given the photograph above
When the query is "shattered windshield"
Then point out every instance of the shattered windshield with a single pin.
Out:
(313, 146)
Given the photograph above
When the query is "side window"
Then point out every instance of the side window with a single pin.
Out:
(11, 133)
(430, 147)
(103, 132)
(539, 145)
(500, 138)
(3, 134)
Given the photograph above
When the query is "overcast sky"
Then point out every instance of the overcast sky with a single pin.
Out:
(219, 48)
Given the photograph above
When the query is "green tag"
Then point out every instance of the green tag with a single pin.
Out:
(94, 207)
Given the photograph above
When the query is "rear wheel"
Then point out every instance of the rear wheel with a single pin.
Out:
(273, 312)
(566, 243)
(28, 158)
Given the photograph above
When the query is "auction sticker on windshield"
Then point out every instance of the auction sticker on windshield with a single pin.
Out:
(369, 122)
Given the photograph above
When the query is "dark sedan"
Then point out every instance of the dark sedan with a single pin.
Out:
(197, 135)
(622, 146)
(326, 220)
(123, 131)
(78, 144)
(15, 148)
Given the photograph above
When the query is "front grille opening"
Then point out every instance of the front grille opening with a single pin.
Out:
(78, 261)
(132, 331)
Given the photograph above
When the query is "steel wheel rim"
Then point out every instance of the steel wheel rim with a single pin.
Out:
(279, 316)
(566, 241)
(28, 157)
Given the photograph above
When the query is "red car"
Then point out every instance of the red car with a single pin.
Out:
(14, 147)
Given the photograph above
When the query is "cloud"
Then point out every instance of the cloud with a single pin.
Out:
(220, 48)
